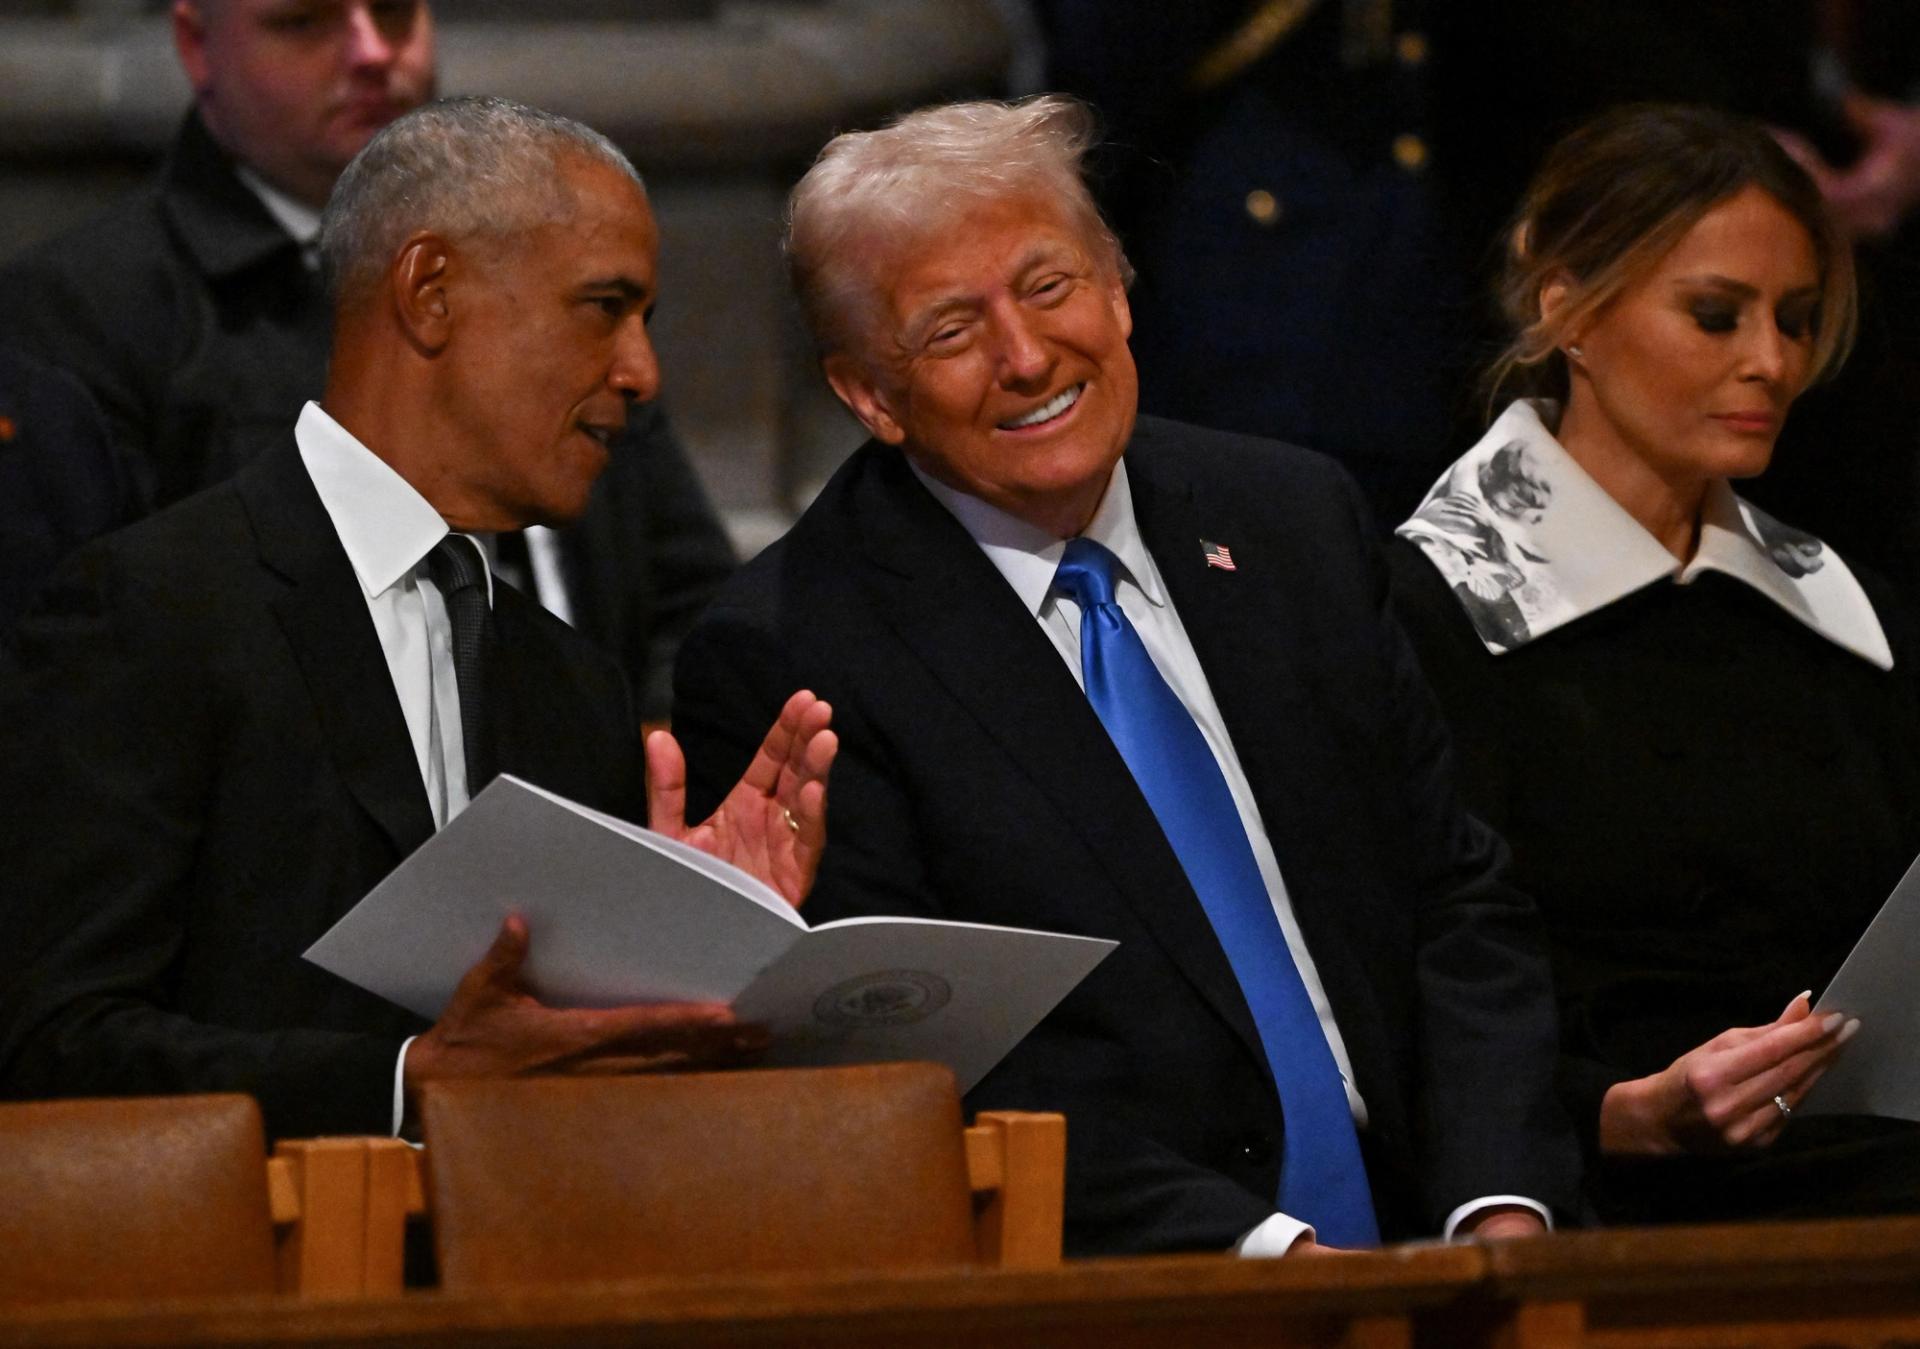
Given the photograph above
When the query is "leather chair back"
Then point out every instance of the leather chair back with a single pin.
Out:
(553, 1180)
(161, 1197)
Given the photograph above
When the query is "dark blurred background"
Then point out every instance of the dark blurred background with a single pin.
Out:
(1312, 190)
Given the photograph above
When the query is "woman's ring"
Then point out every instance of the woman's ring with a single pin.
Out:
(794, 825)
(1780, 1104)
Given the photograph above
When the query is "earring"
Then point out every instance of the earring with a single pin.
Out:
(1575, 352)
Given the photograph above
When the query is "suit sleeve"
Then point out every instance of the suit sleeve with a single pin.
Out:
(113, 734)
(1489, 1119)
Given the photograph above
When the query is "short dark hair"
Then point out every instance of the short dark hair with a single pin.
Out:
(462, 166)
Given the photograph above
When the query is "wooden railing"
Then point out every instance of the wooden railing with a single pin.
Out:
(343, 1204)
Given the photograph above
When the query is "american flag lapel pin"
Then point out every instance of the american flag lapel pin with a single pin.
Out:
(1217, 555)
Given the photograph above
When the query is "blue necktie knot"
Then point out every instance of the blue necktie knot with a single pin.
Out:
(1086, 573)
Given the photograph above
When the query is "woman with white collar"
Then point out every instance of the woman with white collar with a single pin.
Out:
(1698, 728)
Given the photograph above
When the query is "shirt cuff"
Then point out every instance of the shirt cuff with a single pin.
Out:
(1473, 1206)
(400, 1086)
(1274, 1237)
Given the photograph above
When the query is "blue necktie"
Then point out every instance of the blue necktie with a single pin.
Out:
(1322, 1179)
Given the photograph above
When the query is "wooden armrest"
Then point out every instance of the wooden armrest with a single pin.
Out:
(339, 1210)
(1016, 1165)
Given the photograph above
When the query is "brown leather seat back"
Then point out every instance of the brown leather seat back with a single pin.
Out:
(590, 1179)
(162, 1197)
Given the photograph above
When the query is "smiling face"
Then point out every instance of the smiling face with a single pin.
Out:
(1687, 375)
(295, 88)
(999, 363)
(548, 348)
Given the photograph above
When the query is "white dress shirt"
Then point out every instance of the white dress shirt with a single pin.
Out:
(387, 530)
(1028, 558)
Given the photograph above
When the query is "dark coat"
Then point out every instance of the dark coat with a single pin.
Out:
(975, 782)
(213, 767)
(1709, 802)
(188, 313)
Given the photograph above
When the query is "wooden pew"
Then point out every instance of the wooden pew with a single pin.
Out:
(1363, 1302)
(1853, 1283)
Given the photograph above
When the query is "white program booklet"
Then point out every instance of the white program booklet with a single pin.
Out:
(1878, 1071)
(618, 914)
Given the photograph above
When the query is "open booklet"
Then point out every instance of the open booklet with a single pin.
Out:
(620, 914)
(1878, 1073)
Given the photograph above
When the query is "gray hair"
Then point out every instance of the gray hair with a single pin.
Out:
(462, 167)
(871, 191)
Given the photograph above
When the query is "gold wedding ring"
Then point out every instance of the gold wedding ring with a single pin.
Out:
(794, 825)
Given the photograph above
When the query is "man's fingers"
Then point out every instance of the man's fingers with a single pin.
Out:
(648, 1038)
(666, 785)
(778, 745)
(501, 963)
(644, 1027)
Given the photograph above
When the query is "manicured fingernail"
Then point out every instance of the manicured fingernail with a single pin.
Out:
(1851, 1029)
(1833, 1022)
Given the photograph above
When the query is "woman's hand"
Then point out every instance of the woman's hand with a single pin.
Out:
(1720, 1096)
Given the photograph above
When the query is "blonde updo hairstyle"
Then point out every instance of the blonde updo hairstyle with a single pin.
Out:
(1614, 196)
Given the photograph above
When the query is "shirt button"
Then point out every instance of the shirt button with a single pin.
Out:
(1257, 1150)
(1263, 208)
(1410, 152)
(1411, 49)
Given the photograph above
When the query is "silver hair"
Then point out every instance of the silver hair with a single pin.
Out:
(461, 167)
(872, 191)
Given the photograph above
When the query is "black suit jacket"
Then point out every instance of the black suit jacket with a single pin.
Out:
(208, 765)
(974, 782)
(189, 315)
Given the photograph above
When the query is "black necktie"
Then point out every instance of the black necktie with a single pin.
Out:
(460, 573)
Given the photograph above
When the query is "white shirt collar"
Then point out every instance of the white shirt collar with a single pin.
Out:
(1028, 556)
(1529, 542)
(386, 527)
(295, 217)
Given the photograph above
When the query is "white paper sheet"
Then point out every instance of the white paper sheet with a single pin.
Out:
(1878, 1071)
(618, 914)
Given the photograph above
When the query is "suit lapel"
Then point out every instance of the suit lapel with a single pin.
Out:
(1251, 662)
(552, 730)
(323, 616)
(1249, 634)
(956, 613)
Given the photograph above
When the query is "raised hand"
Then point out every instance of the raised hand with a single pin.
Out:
(773, 824)
(1720, 1095)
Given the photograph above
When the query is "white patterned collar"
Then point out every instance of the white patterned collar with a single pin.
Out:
(1529, 542)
